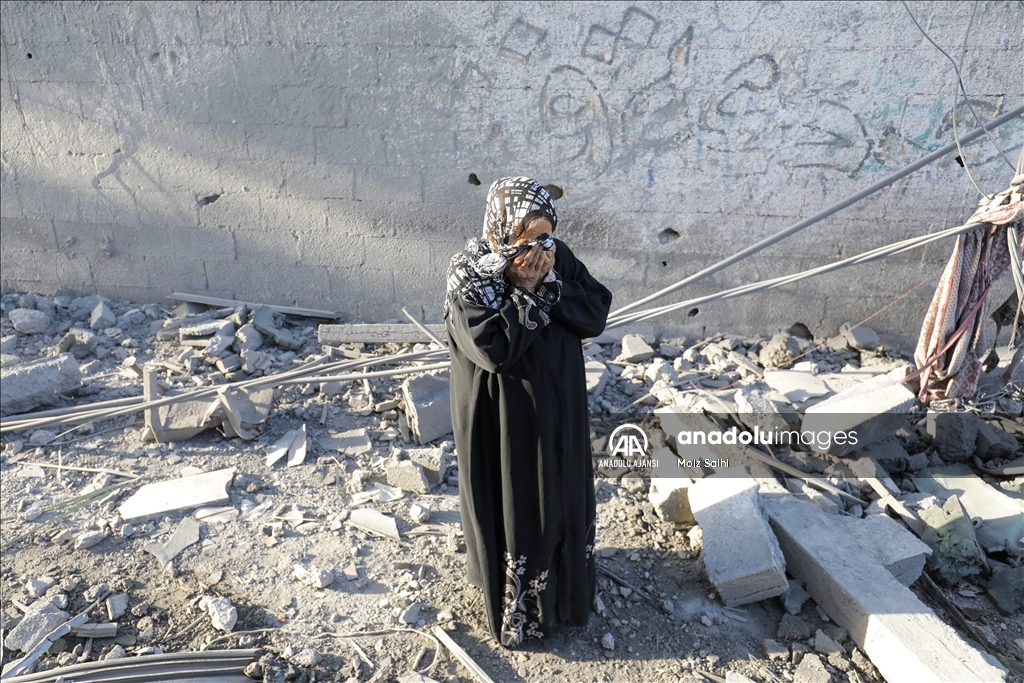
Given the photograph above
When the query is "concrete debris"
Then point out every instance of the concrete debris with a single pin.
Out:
(794, 598)
(178, 494)
(353, 442)
(427, 407)
(905, 640)
(247, 338)
(617, 334)
(597, 376)
(379, 333)
(992, 443)
(408, 476)
(874, 409)
(313, 576)
(634, 349)
(281, 447)
(268, 323)
(754, 408)
(433, 461)
(779, 350)
(950, 534)
(116, 606)
(797, 387)
(88, 539)
(608, 641)
(374, 522)
(419, 514)
(40, 619)
(223, 614)
(811, 670)
(860, 336)
(38, 382)
(1002, 516)
(670, 500)
(185, 535)
(29, 320)
(741, 555)
(411, 614)
(773, 650)
(102, 317)
(954, 434)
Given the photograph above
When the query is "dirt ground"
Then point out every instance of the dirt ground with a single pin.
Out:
(660, 610)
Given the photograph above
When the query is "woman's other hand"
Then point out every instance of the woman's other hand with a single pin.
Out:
(527, 270)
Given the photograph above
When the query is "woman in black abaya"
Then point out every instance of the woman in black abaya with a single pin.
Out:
(516, 317)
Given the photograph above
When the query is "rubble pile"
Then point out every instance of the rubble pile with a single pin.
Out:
(226, 492)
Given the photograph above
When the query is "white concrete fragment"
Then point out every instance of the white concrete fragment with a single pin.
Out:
(29, 320)
(26, 386)
(102, 317)
(427, 407)
(860, 337)
(223, 614)
(597, 376)
(41, 618)
(741, 555)
(669, 498)
(313, 576)
(178, 494)
(634, 349)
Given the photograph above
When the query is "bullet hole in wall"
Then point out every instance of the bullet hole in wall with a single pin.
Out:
(29, 55)
(555, 191)
(692, 312)
(800, 330)
(155, 56)
(664, 263)
(960, 160)
(667, 235)
(209, 199)
(473, 179)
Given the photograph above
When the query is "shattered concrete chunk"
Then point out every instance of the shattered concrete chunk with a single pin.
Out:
(185, 535)
(41, 618)
(954, 434)
(669, 498)
(353, 442)
(811, 670)
(178, 494)
(597, 376)
(102, 317)
(634, 349)
(779, 350)
(1006, 588)
(993, 443)
(247, 338)
(874, 410)
(408, 476)
(860, 337)
(88, 539)
(950, 535)
(741, 555)
(433, 461)
(29, 321)
(116, 606)
(38, 382)
(313, 576)
(427, 407)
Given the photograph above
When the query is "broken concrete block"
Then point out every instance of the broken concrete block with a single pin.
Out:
(811, 670)
(102, 317)
(26, 386)
(268, 323)
(427, 407)
(797, 387)
(993, 442)
(334, 388)
(634, 349)
(245, 411)
(669, 498)
(888, 452)
(352, 442)
(116, 606)
(793, 628)
(954, 434)
(88, 539)
(1002, 515)
(741, 555)
(374, 522)
(950, 534)
(860, 337)
(905, 640)
(826, 502)
(616, 334)
(185, 535)
(597, 376)
(872, 410)
(9, 344)
(247, 338)
(178, 494)
(756, 409)
(433, 462)
(408, 476)
(229, 363)
(41, 618)
(29, 320)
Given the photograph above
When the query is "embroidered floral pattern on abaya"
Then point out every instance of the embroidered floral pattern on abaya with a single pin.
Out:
(520, 604)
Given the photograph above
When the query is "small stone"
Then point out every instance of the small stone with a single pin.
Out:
(116, 652)
(633, 484)
(127, 530)
(248, 338)
(445, 616)
(411, 614)
(32, 514)
(29, 321)
(419, 514)
(60, 601)
(41, 437)
(88, 539)
(408, 476)
(313, 576)
(860, 337)
(608, 640)
(222, 613)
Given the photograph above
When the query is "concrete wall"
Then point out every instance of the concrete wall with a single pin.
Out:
(318, 154)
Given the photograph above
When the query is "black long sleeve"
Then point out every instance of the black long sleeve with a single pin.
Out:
(585, 302)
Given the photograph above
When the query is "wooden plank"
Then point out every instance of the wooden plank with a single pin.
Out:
(402, 333)
(287, 310)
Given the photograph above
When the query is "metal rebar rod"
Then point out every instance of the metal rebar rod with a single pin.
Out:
(825, 213)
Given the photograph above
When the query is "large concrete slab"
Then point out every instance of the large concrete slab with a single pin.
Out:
(844, 569)
(26, 386)
(741, 555)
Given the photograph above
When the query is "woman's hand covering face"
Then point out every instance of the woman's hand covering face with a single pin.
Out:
(527, 270)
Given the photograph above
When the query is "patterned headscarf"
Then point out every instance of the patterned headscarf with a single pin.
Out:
(477, 273)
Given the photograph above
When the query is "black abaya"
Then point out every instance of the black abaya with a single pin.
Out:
(522, 433)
